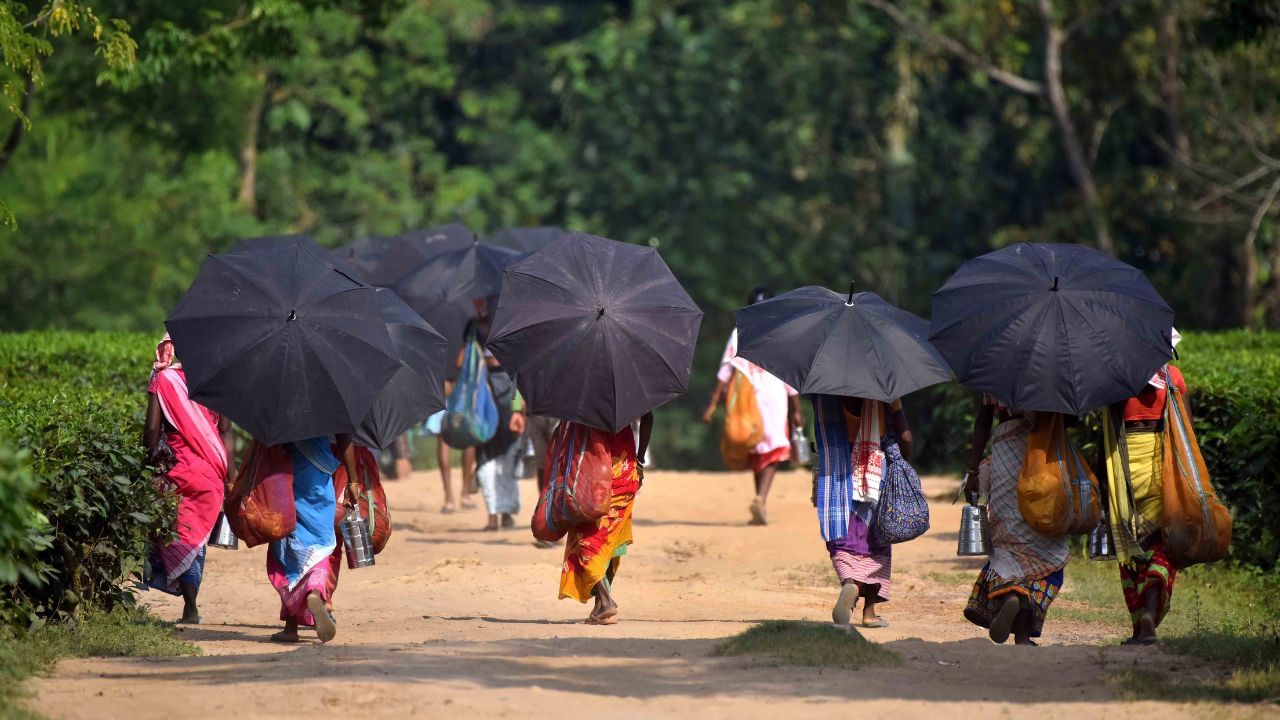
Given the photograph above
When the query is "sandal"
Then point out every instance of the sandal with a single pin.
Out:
(878, 623)
(326, 628)
(842, 613)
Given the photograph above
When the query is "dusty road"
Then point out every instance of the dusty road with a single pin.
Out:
(453, 622)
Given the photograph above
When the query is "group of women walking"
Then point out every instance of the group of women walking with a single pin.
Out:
(573, 339)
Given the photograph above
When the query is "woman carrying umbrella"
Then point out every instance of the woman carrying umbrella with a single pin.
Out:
(191, 441)
(598, 333)
(1018, 584)
(774, 398)
(496, 460)
(1146, 573)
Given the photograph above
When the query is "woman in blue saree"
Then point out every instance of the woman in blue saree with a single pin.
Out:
(303, 566)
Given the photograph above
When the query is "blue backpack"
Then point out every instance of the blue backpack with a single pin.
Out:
(470, 414)
(902, 513)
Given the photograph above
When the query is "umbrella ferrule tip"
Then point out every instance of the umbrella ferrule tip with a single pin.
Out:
(293, 315)
(600, 312)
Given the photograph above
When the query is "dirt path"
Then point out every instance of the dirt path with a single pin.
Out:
(459, 622)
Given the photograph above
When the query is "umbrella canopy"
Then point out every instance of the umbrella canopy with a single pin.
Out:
(278, 339)
(1061, 328)
(595, 331)
(819, 341)
(528, 240)
(367, 256)
(417, 389)
(467, 273)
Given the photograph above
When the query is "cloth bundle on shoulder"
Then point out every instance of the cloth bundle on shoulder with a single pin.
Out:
(372, 498)
(902, 512)
(260, 505)
(470, 416)
(1057, 491)
(1196, 524)
(743, 425)
(579, 481)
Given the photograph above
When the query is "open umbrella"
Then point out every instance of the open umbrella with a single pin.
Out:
(367, 256)
(595, 331)
(1060, 328)
(528, 240)
(417, 389)
(819, 341)
(467, 273)
(275, 337)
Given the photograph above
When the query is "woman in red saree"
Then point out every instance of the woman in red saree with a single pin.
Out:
(594, 551)
(189, 441)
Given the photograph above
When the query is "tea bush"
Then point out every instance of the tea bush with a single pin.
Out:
(71, 408)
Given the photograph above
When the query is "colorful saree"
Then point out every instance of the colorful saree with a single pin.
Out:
(197, 477)
(306, 560)
(594, 551)
(1023, 562)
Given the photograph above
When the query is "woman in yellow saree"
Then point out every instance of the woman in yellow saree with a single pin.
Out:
(593, 551)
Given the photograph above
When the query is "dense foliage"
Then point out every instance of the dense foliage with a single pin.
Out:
(71, 415)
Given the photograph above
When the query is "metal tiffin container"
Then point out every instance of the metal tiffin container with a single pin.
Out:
(801, 454)
(1100, 545)
(223, 536)
(357, 539)
(975, 536)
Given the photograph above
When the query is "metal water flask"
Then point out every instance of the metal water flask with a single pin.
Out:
(800, 453)
(1100, 545)
(358, 540)
(222, 535)
(975, 538)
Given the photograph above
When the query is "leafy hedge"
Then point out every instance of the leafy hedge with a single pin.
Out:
(1234, 379)
(71, 411)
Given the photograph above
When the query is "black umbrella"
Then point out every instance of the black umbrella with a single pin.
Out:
(367, 255)
(595, 331)
(528, 240)
(417, 389)
(276, 338)
(467, 273)
(1061, 328)
(819, 341)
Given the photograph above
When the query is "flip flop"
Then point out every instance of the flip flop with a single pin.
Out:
(197, 620)
(448, 509)
(326, 628)
(879, 623)
(1002, 623)
(593, 620)
(842, 613)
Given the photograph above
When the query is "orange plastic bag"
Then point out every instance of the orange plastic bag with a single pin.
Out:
(1057, 491)
(743, 426)
(1197, 525)
(260, 505)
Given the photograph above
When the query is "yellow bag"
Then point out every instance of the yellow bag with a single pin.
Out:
(743, 426)
(1057, 491)
(1197, 525)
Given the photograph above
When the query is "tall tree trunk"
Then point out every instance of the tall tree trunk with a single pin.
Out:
(1249, 248)
(19, 128)
(1054, 37)
(899, 170)
(1170, 84)
(248, 195)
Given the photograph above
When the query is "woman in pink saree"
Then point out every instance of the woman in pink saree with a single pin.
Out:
(189, 442)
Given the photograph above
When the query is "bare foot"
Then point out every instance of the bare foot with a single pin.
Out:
(508, 521)
(190, 619)
(287, 635)
(757, 512)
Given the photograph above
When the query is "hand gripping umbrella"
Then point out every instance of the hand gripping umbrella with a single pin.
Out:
(276, 338)
(1060, 328)
(595, 331)
(819, 341)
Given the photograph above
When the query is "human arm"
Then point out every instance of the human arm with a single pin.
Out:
(646, 430)
(228, 444)
(153, 427)
(517, 414)
(716, 396)
(981, 435)
(797, 414)
(902, 429)
(347, 454)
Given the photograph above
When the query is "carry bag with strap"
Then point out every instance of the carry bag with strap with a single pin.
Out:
(260, 505)
(579, 481)
(743, 426)
(1057, 490)
(1196, 524)
(471, 416)
(902, 512)
(372, 498)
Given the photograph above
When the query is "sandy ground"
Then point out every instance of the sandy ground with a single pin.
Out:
(461, 623)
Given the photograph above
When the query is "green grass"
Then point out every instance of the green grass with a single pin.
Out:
(124, 632)
(1221, 613)
(808, 644)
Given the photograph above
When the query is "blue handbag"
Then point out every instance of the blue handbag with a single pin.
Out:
(902, 512)
(470, 414)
